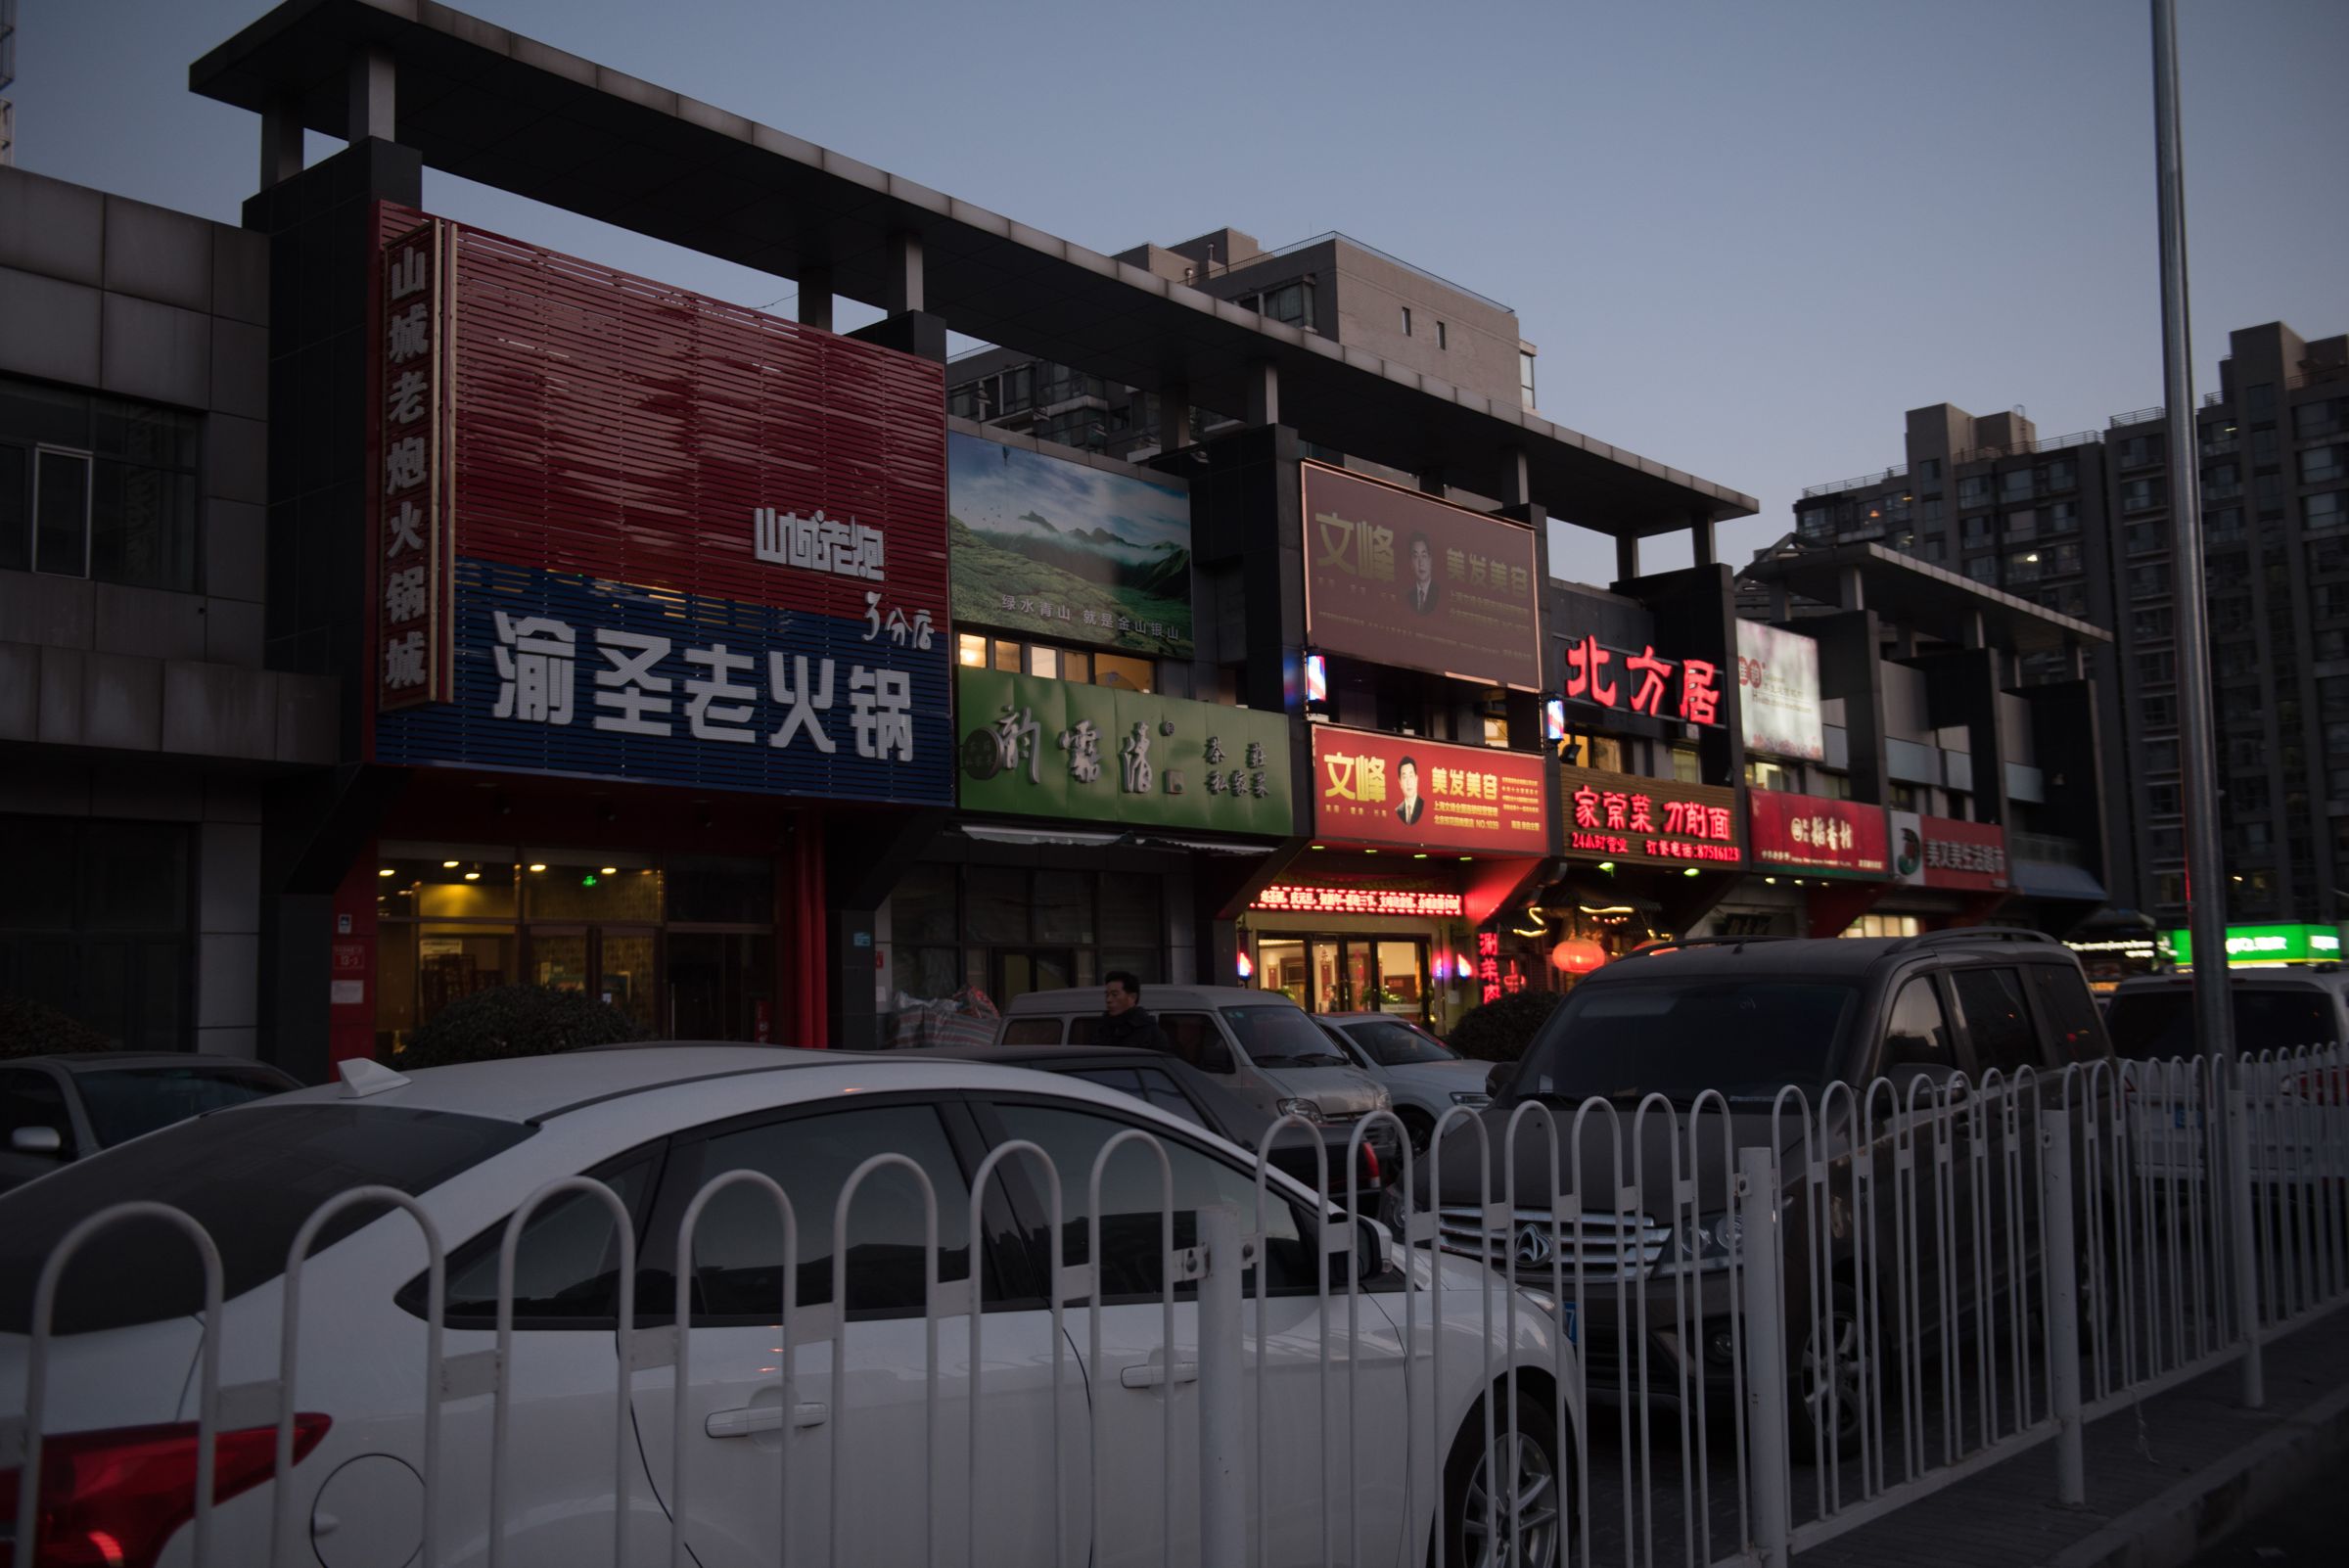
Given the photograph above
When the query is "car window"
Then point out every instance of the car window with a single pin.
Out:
(250, 1178)
(2280, 1018)
(1390, 1043)
(1145, 1083)
(125, 1102)
(2157, 1024)
(1748, 1038)
(1997, 1021)
(1919, 1035)
(738, 1241)
(1132, 1239)
(567, 1267)
(1282, 1036)
(2070, 1009)
(1033, 1031)
(1194, 1039)
(33, 1100)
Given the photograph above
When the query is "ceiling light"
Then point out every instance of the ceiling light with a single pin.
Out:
(449, 865)
(1420, 856)
(1692, 871)
(473, 876)
(385, 872)
(538, 865)
(610, 871)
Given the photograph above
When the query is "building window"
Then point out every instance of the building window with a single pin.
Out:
(2322, 463)
(2328, 510)
(2260, 402)
(1973, 490)
(2150, 581)
(2145, 496)
(1904, 798)
(2158, 667)
(2014, 486)
(2157, 623)
(2157, 712)
(1763, 774)
(2022, 524)
(2320, 418)
(1010, 930)
(2229, 613)
(2145, 538)
(1443, 335)
(1407, 321)
(2059, 475)
(1933, 549)
(2141, 451)
(1983, 568)
(2224, 525)
(1976, 532)
(1929, 469)
(95, 924)
(1525, 377)
(1815, 523)
(1292, 303)
(2022, 567)
(1685, 765)
(97, 486)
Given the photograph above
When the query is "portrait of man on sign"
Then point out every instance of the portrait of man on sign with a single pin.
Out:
(1413, 805)
(1422, 597)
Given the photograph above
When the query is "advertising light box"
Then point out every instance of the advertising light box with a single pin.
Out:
(1379, 789)
(2268, 945)
(1816, 836)
(1037, 747)
(1049, 547)
(1778, 692)
(1397, 578)
(684, 542)
(1650, 821)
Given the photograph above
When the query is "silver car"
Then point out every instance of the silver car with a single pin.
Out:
(1425, 1076)
(1258, 1044)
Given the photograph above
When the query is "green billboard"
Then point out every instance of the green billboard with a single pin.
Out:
(1035, 747)
(2268, 945)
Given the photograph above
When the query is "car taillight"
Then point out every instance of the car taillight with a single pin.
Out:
(113, 1498)
(1371, 1175)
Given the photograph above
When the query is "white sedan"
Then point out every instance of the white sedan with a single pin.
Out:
(1331, 1442)
(1425, 1076)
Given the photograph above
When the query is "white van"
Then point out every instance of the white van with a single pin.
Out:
(1257, 1044)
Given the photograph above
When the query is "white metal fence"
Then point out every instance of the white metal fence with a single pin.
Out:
(1783, 1318)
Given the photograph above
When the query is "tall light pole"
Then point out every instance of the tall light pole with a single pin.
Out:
(2206, 880)
(2206, 891)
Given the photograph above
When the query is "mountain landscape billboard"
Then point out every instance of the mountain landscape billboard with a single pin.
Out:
(1055, 549)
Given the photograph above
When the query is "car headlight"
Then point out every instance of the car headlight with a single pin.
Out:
(1474, 1099)
(1710, 1241)
(1543, 1299)
(1310, 1110)
(1384, 1102)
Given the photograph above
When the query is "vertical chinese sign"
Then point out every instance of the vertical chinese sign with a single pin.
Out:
(415, 332)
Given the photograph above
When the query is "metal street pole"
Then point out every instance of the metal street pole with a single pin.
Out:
(2206, 877)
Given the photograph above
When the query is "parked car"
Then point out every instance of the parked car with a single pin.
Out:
(1181, 1089)
(1745, 1017)
(59, 1109)
(471, 1142)
(1258, 1045)
(2281, 1009)
(1425, 1076)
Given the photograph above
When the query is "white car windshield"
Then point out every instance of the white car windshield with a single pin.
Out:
(1282, 1036)
(1392, 1042)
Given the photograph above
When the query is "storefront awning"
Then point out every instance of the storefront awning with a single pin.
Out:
(2044, 879)
(989, 833)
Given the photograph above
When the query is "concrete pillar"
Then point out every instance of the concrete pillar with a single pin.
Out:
(1264, 394)
(814, 307)
(904, 273)
(372, 83)
(1850, 594)
(281, 143)
(1700, 539)
(1626, 557)
(1175, 416)
(1975, 635)
(1515, 488)
(2075, 659)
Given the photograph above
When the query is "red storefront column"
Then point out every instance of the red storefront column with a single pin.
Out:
(351, 970)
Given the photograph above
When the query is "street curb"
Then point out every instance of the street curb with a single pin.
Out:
(2169, 1530)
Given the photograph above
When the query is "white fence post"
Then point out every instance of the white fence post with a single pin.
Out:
(2063, 1264)
(2246, 1242)
(1763, 1245)
(1222, 1460)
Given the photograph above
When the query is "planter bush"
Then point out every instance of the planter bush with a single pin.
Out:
(516, 1021)
(28, 1028)
(1500, 1031)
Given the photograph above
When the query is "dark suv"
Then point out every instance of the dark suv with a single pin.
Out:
(1656, 1226)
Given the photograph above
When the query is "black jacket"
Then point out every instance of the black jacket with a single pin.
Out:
(1134, 1029)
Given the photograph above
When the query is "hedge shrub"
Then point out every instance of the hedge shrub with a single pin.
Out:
(1500, 1031)
(516, 1021)
(28, 1028)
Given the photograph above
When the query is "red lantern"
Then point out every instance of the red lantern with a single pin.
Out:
(1577, 955)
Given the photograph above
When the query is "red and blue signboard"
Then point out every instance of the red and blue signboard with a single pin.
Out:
(687, 544)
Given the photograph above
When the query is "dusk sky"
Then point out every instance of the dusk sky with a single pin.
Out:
(1746, 236)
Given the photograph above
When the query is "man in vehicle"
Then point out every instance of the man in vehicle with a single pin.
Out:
(1125, 1022)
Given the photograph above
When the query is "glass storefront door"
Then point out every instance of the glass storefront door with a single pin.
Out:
(721, 986)
(1348, 974)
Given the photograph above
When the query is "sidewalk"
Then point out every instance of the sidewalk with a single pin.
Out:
(2158, 1492)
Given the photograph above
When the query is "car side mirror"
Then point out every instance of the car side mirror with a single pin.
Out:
(37, 1140)
(1499, 1081)
(1369, 1245)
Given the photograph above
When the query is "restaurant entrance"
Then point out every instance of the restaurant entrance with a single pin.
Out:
(1349, 973)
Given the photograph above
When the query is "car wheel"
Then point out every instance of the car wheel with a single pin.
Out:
(1532, 1476)
(1829, 1404)
(1418, 1125)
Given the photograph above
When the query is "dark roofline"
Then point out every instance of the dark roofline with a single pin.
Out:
(506, 111)
(1906, 590)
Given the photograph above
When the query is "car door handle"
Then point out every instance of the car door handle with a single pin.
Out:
(762, 1419)
(1150, 1374)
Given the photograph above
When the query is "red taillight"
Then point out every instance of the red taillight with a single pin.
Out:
(113, 1498)
(1371, 1175)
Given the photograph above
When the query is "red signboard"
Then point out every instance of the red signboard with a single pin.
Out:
(1397, 578)
(1810, 834)
(1425, 795)
(1971, 855)
(1684, 690)
(1650, 821)
(414, 337)
(1423, 902)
